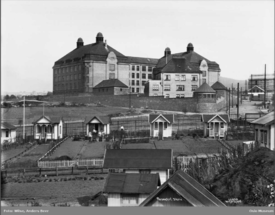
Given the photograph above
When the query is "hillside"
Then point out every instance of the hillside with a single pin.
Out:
(227, 82)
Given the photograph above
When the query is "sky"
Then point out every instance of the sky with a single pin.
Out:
(238, 35)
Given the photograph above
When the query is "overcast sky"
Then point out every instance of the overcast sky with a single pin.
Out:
(238, 35)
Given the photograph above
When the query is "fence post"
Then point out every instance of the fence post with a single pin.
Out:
(72, 170)
(56, 171)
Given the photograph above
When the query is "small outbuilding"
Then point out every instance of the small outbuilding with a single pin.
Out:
(127, 190)
(8, 132)
(161, 125)
(48, 128)
(215, 125)
(181, 190)
(99, 124)
(148, 161)
(111, 87)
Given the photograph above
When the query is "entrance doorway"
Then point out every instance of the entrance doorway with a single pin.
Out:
(160, 130)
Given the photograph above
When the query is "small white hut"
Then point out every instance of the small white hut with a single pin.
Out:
(98, 123)
(8, 132)
(161, 125)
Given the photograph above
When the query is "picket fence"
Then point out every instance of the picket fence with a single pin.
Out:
(71, 163)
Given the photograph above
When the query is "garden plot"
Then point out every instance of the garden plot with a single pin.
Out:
(10, 153)
(93, 150)
(68, 148)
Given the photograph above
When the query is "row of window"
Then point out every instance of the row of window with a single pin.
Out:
(68, 77)
(167, 87)
(68, 86)
(138, 82)
(180, 78)
(143, 76)
(143, 68)
(67, 69)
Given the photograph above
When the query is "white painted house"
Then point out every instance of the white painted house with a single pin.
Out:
(99, 123)
(264, 128)
(8, 133)
(48, 128)
(215, 125)
(144, 161)
(161, 125)
(126, 190)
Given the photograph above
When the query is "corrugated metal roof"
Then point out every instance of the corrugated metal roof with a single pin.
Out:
(138, 159)
(131, 183)
(8, 126)
(187, 187)
(266, 119)
(205, 88)
(111, 83)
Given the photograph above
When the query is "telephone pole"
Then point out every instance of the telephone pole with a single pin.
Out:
(229, 102)
(264, 85)
(232, 96)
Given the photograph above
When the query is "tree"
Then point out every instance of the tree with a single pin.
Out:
(7, 97)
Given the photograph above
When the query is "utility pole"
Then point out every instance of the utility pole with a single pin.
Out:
(229, 103)
(24, 108)
(232, 95)
(241, 95)
(264, 85)
(130, 98)
(238, 110)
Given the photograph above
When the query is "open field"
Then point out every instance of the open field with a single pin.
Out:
(7, 154)
(52, 192)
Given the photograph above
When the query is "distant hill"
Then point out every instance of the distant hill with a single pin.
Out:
(227, 82)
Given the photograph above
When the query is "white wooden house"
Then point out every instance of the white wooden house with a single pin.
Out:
(48, 128)
(8, 133)
(161, 125)
(215, 125)
(125, 190)
(99, 123)
(149, 161)
(264, 128)
(181, 190)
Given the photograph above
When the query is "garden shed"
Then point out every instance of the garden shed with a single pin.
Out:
(98, 123)
(8, 132)
(161, 125)
(181, 190)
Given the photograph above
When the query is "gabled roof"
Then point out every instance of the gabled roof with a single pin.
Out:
(103, 119)
(131, 183)
(53, 119)
(167, 117)
(138, 159)
(256, 86)
(205, 88)
(218, 86)
(210, 117)
(7, 126)
(188, 188)
(140, 60)
(265, 120)
(111, 83)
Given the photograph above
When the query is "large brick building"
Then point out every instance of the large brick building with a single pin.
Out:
(86, 66)
(179, 75)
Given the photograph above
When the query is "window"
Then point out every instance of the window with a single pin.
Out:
(180, 87)
(182, 95)
(112, 75)
(75, 77)
(182, 78)
(256, 135)
(203, 73)
(143, 76)
(149, 76)
(112, 67)
(194, 87)
(178, 96)
(133, 82)
(167, 96)
(222, 125)
(79, 76)
(143, 68)
(208, 95)
(143, 83)
(213, 95)
(129, 199)
(133, 75)
(156, 125)
(165, 126)
(120, 89)
(7, 133)
(133, 90)
(155, 87)
(133, 68)
(194, 78)
(203, 80)
(167, 77)
(144, 171)
(137, 68)
(137, 90)
(137, 75)
(177, 77)
(150, 69)
(137, 83)
(167, 87)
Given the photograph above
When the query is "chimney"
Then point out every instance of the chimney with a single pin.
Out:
(79, 43)
(190, 47)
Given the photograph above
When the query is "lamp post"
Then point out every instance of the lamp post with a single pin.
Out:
(130, 97)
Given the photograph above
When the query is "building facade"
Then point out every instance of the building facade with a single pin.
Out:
(179, 75)
(87, 65)
(8, 132)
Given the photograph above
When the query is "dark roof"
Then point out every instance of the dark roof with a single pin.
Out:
(192, 62)
(52, 119)
(140, 60)
(265, 120)
(190, 45)
(167, 49)
(207, 117)
(138, 159)
(205, 88)
(111, 83)
(99, 34)
(103, 119)
(80, 40)
(167, 117)
(189, 189)
(7, 126)
(131, 183)
(218, 86)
